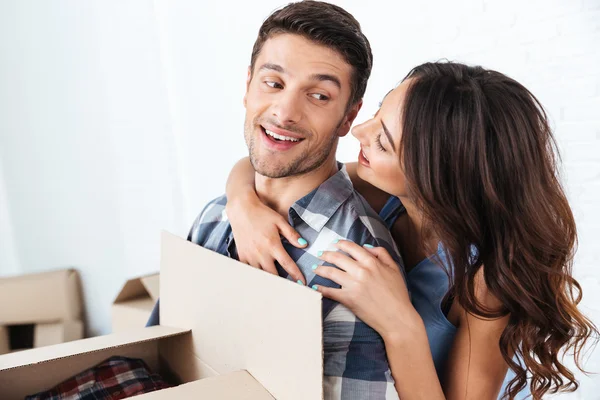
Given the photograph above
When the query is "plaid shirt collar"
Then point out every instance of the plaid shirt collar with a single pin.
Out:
(317, 207)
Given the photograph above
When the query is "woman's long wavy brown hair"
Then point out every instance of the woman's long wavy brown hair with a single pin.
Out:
(481, 161)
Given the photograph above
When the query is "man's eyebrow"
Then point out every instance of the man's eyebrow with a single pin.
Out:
(327, 77)
(315, 77)
(272, 67)
(389, 136)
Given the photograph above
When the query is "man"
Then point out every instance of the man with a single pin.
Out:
(307, 76)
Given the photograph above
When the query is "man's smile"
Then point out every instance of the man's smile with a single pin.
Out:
(279, 139)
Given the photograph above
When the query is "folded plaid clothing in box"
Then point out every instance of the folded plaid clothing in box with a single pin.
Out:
(113, 379)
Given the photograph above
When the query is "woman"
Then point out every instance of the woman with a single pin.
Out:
(461, 164)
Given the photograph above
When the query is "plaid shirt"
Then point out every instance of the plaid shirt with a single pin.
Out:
(355, 361)
(113, 379)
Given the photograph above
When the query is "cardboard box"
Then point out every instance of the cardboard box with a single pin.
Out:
(51, 333)
(133, 305)
(228, 332)
(45, 297)
(23, 337)
(4, 340)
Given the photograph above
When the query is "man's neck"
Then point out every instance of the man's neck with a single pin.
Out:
(281, 193)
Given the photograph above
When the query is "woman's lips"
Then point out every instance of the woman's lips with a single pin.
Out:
(362, 158)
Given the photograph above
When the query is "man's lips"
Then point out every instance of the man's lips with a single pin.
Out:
(281, 134)
(278, 142)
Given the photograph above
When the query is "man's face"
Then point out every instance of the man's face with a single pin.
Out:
(295, 101)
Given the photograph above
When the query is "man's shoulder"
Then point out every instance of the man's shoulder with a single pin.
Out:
(212, 217)
(357, 210)
(361, 205)
(364, 224)
(214, 211)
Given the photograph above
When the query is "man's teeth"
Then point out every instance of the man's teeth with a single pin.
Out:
(281, 137)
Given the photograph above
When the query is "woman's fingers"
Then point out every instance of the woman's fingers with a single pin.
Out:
(331, 293)
(382, 255)
(367, 256)
(251, 262)
(334, 274)
(340, 260)
(359, 253)
(291, 235)
(288, 264)
(268, 266)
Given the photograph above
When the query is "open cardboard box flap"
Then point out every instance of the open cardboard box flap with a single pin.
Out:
(85, 346)
(226, 318)
(31, 371)
(234, 386)
(134, 303)
(244, 318)
(148, 285)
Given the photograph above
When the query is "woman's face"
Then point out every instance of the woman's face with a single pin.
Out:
(379, 137)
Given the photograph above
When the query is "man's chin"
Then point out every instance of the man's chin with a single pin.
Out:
(269, 170)
(273, 173)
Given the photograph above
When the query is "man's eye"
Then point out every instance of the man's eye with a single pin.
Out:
(319, 96)
(274, 85)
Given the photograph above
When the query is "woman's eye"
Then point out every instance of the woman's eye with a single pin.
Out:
(319, 96)
(379, 145)
(274, 85)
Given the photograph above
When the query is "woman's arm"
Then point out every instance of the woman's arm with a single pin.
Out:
(476, 368)
(240, 182)
(257, 228)
(410, 360)
(240, 185)
(374, 289)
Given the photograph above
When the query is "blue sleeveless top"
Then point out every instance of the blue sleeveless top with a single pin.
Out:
(429, 283)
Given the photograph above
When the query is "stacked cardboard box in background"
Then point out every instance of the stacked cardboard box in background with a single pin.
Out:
(40, 310)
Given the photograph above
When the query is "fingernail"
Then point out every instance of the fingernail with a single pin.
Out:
(368, 246)
(314, 287)
(302, 241)
(336, 240)
(299, 282)
(319, 254)
(314, 267)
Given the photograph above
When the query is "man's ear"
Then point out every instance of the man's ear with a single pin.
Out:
(349, 119)
(248, 79)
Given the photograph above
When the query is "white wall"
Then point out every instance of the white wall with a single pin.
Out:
(86, 144)
(118, 119)
(9, 262)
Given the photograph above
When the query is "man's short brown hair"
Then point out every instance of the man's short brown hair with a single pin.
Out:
(325, 24)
